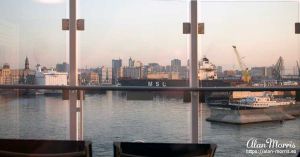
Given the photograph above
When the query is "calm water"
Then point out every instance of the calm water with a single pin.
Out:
(110, 117)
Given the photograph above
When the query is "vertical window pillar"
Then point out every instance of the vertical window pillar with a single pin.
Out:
(194, 83)
(73, 75)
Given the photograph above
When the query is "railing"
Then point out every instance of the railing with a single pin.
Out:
(139, 88)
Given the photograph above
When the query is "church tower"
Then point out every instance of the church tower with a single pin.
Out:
(26, 64)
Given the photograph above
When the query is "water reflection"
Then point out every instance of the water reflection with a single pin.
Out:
(110, 117)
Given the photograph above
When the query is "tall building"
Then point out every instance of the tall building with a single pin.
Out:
(116, 68)
(183, 72)
(175, 65)
(154, 67)
(64, 67)
(132, 72)
(145, 71)
(220, 71)
(131, 62)
(28, 76)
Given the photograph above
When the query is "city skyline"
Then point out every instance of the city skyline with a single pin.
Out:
(116, 30)
(173, 63)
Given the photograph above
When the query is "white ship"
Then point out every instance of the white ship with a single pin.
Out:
(207, 70)
(48, 78)
(261, 102)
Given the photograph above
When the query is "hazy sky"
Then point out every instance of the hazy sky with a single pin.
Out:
(149, 31)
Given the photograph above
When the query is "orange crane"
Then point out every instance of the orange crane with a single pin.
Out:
(246, 77)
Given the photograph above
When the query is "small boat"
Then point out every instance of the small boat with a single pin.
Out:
(260, 102)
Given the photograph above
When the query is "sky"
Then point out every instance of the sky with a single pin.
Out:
(149, 31)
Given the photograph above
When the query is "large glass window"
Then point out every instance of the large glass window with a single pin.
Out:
(141, 43)
(134, 43)
(251, 44)
(133, 39)
(32, 44)
(250, 36)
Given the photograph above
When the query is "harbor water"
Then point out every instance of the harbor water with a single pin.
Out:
(111, 117)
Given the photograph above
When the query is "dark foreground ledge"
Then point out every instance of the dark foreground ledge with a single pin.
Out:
(44, 148)
(131, 149)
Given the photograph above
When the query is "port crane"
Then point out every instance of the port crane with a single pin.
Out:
(278, 69)
(246, 77)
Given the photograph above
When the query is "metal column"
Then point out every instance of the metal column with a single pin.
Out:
(73, 76)
(194, 83)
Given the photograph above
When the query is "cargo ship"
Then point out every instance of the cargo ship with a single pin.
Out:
(170, 83)
(207, 78)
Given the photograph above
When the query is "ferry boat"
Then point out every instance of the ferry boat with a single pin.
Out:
(266, 101)
(50, 77)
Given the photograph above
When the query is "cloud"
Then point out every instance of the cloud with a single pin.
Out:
(50, 1)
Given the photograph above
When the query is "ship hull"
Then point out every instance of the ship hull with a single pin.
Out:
(208, 96)
(170, 83)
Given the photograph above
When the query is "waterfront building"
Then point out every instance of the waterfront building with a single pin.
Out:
(168, 68)
(106, 76)
(27, 76)
(183, 72)
(220, 71)
(132, 72)
(90, 78)
(135, 70)
(116, 69)
(16, 75)
(63, 67)
(5, 74)
(258, 73)
(229, 73)
(131, 62)
(154, 67)
(269, 72)
(145, 71)
(138, 64)
(175, 65)
(10, 76)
